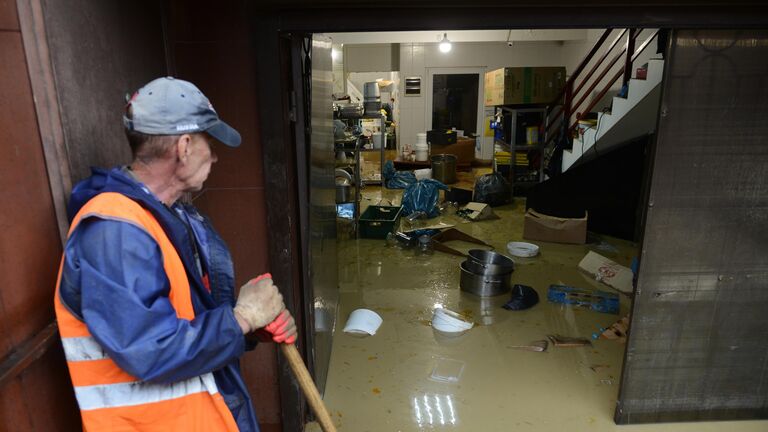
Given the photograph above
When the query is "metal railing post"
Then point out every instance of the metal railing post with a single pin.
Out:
(629, 54)
(567, 102)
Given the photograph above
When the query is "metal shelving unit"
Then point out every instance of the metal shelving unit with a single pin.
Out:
(513, 144)
(357, 151)
(383, 131)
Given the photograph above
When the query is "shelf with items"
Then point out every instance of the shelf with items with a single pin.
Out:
(352, 145)
(520, 129)
(382, 131)
(361, 132)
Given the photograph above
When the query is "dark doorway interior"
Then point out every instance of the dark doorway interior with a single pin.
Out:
(454, 101)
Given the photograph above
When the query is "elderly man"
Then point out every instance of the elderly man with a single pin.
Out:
(145, 300)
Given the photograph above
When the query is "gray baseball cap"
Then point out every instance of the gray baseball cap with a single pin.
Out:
(170, 106)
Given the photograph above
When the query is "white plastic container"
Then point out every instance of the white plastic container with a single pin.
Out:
(448, 321)
(421, 174)
(421, 149)
(376, 138)
(363, 321)
(422, 152)
(522, 249)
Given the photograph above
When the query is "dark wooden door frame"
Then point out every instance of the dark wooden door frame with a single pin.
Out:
(285, 181)
(55, 152)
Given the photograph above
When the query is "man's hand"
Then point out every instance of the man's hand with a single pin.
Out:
(283, 328)
(258, 304)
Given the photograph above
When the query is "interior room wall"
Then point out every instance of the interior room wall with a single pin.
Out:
(417, 58)
(337, 64)
(371, 57)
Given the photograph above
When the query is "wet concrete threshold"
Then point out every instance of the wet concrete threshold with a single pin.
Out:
(409, 377)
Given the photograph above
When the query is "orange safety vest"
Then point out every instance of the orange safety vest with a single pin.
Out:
(110, 398)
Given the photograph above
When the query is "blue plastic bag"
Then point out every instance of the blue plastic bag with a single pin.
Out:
(397, 179)
(423, 196)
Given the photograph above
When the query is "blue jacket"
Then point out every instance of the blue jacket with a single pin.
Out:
(113, 279)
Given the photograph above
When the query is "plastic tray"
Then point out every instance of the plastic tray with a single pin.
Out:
(377, 221)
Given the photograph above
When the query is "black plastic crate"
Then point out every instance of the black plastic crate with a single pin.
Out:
(378, 221)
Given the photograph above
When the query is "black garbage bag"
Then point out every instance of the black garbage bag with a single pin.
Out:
(394, 179)
(423, 196)
(492, 189)
(523, 297)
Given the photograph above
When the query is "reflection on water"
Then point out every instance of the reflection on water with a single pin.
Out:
(430, 409)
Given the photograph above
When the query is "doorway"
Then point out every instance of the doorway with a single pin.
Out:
(454, 99)
(440, 398)
(405, 285)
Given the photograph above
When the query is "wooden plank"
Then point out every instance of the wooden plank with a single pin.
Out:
(26, 353)
(47, 108)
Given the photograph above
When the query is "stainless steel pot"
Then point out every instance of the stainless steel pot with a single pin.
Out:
(344, 186)
(485, 262)
(444, 168)
(484, 285)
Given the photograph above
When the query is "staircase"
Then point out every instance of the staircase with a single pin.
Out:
(629, 118)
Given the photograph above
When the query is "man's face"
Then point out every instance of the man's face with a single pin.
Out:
(197, 166)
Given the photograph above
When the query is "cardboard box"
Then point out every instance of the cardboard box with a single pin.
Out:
(463, 149)
(479, 211)
(547, 228)
(523, 85)
(608, 272)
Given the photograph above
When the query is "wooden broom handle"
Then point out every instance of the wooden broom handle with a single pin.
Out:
(308, 386)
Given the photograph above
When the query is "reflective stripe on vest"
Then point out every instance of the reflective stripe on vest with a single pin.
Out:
(109, 397)
(139, 393)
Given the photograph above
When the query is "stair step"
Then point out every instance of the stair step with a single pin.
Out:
(637, 90)
(620, 106)
(655, 70)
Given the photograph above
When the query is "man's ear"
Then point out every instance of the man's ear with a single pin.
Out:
(183, 147)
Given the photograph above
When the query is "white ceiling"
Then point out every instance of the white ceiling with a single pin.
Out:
(458, 36)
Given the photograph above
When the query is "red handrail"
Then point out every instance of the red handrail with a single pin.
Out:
(580, 67)
(616, 77)
(566, 91)
(615, 59)
(600, 62)
(568, 107)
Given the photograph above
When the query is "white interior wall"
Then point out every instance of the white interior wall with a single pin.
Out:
(417, 58)
(337, 64)
(369, 58)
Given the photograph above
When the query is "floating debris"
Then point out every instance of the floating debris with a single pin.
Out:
(567, 342)
(535, 346)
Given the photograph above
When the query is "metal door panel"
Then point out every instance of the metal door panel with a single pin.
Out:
(697, 348)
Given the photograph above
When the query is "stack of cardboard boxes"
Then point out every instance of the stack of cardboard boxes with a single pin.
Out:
(523, 85)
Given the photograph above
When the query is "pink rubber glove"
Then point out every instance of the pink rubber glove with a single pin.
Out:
(260, 277)
(283, 328)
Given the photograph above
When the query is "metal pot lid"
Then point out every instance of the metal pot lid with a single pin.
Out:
(342, 181)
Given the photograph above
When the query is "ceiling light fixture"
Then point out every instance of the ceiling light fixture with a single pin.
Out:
(445, 44)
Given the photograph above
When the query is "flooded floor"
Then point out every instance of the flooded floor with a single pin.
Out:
(409, 377)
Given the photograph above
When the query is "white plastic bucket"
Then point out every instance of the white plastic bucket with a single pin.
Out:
(422, 151)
